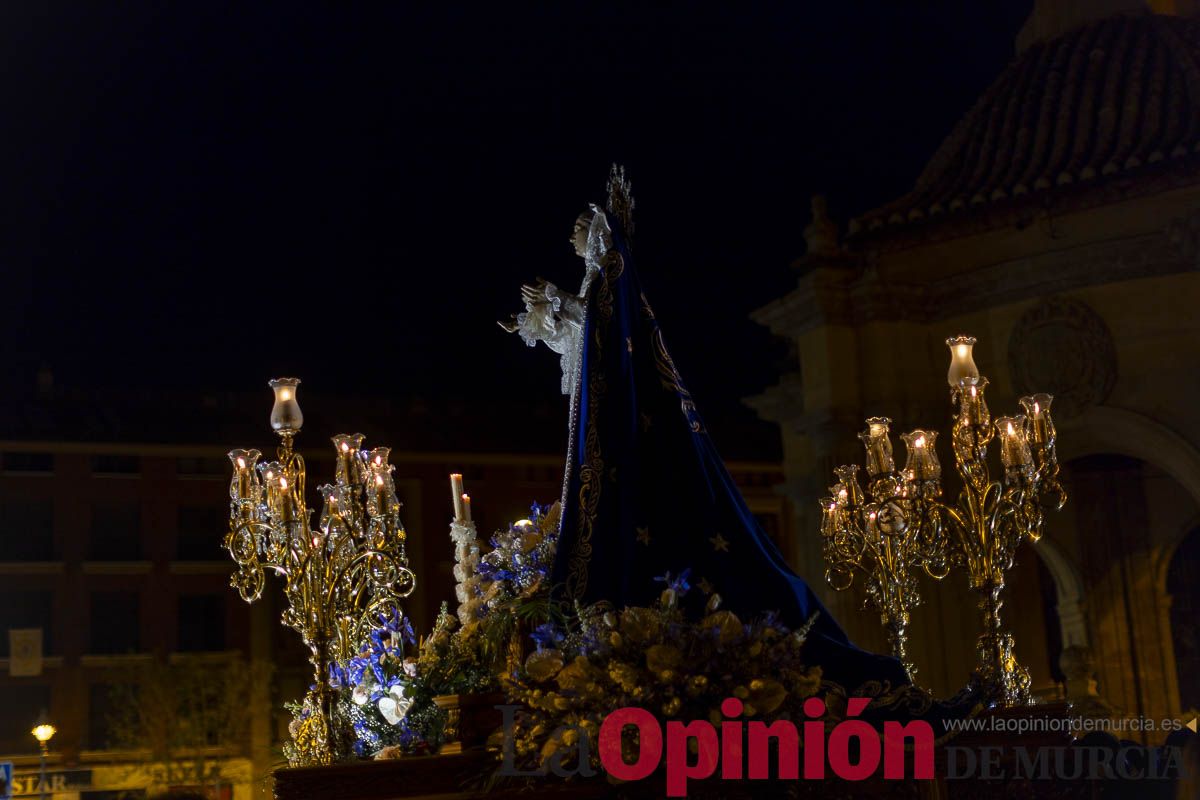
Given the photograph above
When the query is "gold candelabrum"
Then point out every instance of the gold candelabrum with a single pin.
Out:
(339, 577)
(900, 525)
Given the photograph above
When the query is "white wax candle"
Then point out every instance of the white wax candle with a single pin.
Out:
(456, 494)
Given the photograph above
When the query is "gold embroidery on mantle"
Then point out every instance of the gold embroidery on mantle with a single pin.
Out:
(591, 468)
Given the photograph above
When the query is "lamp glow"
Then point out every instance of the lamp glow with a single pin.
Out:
(962, 363)
(286, 416)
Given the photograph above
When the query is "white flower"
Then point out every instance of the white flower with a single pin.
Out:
(394, 705)
(361, 694)
(410, 667)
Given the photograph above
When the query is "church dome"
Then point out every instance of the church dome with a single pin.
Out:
(1116, 97)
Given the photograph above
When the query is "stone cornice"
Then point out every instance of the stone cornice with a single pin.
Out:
(842, 297)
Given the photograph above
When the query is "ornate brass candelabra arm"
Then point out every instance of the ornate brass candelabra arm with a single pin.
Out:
(887, 538)
(903, 525)
(339, 577)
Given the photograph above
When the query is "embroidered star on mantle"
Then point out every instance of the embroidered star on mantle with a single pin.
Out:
(719, 543)
(629, 344)
(704, 586)
(643, 535)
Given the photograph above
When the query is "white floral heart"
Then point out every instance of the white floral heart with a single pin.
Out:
(394, 705)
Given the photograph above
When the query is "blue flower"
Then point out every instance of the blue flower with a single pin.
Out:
(546, 635)
(678, 585)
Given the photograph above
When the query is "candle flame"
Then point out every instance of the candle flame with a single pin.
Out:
(963, 350)
(920, 442)
(1011, 431)
(241, 463)
(1037, 409)
(379, 480)
(285, 394)
(283, 483)
(972, 391)
(345, 447)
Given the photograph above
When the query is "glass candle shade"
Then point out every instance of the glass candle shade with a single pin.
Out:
(1014, 449)
(829, 509)
(972, 408)
(962, 362)
(878, 446)
(286, 416)
(333, 514)
(848, 478)
(381, 490)
(244, 485)
(349, 460)
(1037, 412)
(922, 463)
(378, 457)
(280, 492)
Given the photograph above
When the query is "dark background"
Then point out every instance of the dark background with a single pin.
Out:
(199, 196)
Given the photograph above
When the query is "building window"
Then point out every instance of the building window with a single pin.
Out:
(27, 530)
(116, 532)
(116, 465)
(25, 610)
(201, 623)
(116, 623)
(201, 467)
(200, 533)
(21, 704)
(32, 463)
(112, 715)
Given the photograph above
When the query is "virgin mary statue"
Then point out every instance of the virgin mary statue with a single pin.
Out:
(645, 493)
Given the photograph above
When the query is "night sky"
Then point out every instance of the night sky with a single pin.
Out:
(203, 195)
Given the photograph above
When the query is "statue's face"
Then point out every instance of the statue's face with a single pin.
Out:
(579, 235)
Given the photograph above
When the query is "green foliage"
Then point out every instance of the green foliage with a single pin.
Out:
(187, 714)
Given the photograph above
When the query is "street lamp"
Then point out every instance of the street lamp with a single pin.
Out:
(43, 731)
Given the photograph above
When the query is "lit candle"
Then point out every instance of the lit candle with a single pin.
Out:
(847, 475)
(922, 464)
(287, 504)
(1014, 449)
(878, 446)
(840, 494)
(973, 408)
(349, 466)
(456, 494)
(286, 416)
(466, 506)
(829, 508)
(1037, 411)
(244, 463)
(272, 471)
(962, 363)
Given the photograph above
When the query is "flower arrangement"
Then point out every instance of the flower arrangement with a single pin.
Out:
(568, 666)
(594, 660)
(521, 557)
